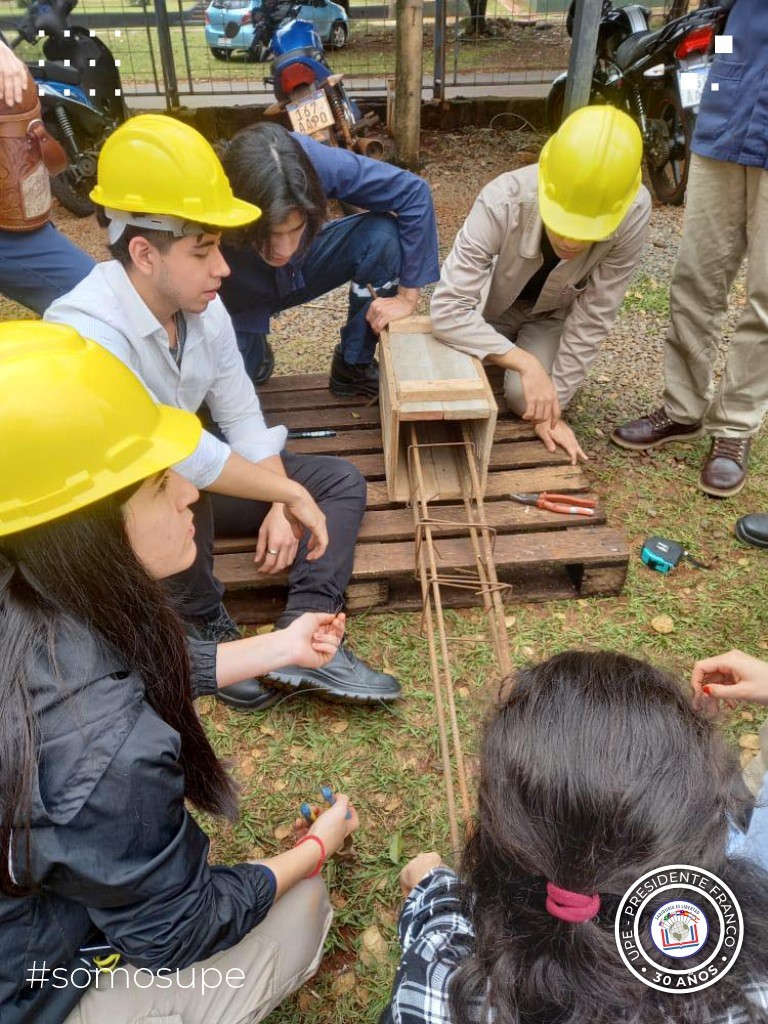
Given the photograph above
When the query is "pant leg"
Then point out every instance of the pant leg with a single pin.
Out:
(243, 984)
(741, 399)
(538, 335)
(37, 267)
(364, 249)
(340, 491)
(711, 249)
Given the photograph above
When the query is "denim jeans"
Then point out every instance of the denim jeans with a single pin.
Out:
(318, 586)
(363, 249)
(37, 267)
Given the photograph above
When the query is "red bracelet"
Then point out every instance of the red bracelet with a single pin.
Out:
(320, 863)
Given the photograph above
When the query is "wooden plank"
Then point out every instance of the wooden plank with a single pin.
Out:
(336, 418)
(448, 390)
(520, 481)
(368, 439)
(277, 402)
(598, 546)
(532, 585)
(449, 521)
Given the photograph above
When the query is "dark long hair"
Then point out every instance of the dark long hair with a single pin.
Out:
(81, 567)
(267, 166)
(594, 771)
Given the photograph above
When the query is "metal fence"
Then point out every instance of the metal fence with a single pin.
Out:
(179, 50)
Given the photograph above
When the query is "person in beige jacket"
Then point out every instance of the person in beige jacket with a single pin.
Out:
(539, 269)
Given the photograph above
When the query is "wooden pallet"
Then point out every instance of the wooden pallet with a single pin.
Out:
(541, 555)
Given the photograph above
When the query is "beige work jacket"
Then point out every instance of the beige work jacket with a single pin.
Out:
(498, 249)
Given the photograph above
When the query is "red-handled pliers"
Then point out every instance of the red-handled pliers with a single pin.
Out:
(568, 504)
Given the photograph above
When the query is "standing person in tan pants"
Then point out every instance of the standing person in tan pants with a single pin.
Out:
(539, 269)
(726, 219)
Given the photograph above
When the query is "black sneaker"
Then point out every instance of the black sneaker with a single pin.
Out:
(344, 680)
(350, 379)
(266, 366)
(249, 694)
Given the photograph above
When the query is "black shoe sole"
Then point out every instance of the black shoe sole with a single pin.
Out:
(633, 447)
(308, 686)
(746, 539)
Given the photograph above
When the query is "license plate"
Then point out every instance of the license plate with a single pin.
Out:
(225, 41)
(692, 82)
(310, 114)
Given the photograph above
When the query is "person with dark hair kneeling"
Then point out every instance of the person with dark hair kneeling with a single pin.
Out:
(292, 255)
(101, 746)
(595, 771)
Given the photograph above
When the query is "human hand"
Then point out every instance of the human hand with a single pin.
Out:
(418, 868)
(561, 436)
(13, 76)
(302, 513)
(333, 826)
(315, 637)
(541, 402)
(277, 542)
(729, 677)
(382, 312)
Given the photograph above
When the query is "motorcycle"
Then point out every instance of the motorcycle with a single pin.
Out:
(657, 77)
(81, 102)
(313, 97)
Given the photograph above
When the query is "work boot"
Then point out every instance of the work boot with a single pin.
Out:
(266, 364)
(725, 471)
(248, 694)
(344, 680)
(654, 430)
(350, 379)
(753, 529)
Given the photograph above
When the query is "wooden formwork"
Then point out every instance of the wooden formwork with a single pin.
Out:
(541, 555)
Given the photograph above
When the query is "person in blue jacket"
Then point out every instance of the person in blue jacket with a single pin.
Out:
(292, 255)
(726, 219)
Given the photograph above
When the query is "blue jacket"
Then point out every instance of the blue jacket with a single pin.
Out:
(733, 120)
(373, 185)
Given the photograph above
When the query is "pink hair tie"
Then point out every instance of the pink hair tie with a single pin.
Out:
(571, 906)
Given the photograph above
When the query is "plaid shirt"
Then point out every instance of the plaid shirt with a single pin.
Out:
(436, 937)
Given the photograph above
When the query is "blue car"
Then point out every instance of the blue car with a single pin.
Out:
(230, 25)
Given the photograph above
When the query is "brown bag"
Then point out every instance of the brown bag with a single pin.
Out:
(28, 155)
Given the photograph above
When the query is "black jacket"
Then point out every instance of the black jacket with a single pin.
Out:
(114, 850)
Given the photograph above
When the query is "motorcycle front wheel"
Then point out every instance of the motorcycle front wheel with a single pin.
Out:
(668, 148)
(72, 193)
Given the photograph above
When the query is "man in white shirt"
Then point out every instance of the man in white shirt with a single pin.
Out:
(155, 306)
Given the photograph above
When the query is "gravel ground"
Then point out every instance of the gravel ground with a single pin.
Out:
(457, 165)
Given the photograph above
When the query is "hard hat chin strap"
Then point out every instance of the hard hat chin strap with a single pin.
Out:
(176, 226)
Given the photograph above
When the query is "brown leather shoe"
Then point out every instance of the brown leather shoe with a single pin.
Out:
(725, 471)
(654, 430)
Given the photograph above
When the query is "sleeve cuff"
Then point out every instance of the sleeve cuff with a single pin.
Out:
(202, 657)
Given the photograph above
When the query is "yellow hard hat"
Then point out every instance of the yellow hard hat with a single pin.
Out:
(76, 424)
(589, 173)
(156, 164)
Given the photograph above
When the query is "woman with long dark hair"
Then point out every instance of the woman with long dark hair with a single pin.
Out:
(100, 745)
(595, 770)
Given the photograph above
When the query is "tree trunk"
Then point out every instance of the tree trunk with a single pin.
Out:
(408, 57)
(477, 10)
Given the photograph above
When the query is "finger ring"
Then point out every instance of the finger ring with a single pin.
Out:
(271, 551)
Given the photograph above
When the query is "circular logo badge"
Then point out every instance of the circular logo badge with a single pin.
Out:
(679, 929)
(679, 913)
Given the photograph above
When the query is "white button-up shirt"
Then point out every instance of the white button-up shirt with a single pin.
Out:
(107, 308)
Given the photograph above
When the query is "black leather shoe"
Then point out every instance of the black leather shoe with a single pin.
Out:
(249, 694)
(344, 680)
(753, 529)
(350, 379)
(654, 430)
(266, 365)
(218, 627)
